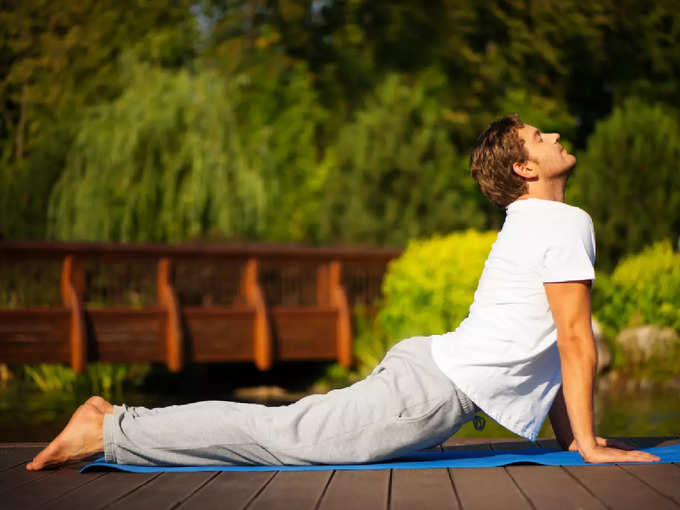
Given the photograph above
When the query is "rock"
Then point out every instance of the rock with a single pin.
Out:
(642, 344)
(604, 357)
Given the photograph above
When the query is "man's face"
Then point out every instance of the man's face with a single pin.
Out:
(546, 152)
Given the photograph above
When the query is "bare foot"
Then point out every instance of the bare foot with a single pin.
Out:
(81, 437)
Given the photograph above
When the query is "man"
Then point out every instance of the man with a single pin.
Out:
(525, 350)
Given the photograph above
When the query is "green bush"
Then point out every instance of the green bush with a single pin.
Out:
(628, 180)
(644, 289)
(429, 289)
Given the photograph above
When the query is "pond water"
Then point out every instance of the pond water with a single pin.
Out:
(27, 414)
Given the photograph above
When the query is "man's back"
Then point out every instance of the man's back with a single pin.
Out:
(504, 354)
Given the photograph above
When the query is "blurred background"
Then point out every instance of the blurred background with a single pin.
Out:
(332, 122)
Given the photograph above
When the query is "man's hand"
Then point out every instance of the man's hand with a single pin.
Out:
(613, 450)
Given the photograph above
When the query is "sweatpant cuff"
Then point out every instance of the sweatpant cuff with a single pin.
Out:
(108, 433)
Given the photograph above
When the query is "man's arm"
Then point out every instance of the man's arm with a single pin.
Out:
(559, 419)
(570, 305)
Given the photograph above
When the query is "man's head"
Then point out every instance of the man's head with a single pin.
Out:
(511, 156)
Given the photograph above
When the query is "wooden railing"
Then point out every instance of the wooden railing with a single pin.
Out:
(181, 304)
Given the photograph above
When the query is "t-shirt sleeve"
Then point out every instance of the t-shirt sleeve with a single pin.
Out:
(571, 256)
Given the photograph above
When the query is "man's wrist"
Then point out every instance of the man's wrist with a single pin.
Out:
(586, 445)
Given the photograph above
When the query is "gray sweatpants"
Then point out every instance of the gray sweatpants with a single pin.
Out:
(404, 405)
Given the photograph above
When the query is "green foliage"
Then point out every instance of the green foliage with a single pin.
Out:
(644, 289)
(100, 378)
(57, 58)
(395, 173)
(628, 179)
(370, 341)
(51, 377)
(371, 107)
(429, 289)
(181, 155)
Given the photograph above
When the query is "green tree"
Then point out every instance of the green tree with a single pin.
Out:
(628, 180)
(57, 58)
(395, 172)
(183, 155)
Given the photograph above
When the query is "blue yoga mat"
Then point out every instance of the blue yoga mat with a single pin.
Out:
(418, 460)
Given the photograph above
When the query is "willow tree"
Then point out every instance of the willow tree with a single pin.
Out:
(183, 155)
(57, 58)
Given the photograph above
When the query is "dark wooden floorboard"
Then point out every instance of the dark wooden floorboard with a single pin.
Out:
(229, 490)
(475, 443)
(520, 444)
(548, 443)
(16, 477)
(664, 478)
(423, 489)
(292, 489)
(487, 489)
(165, 491)
(649, 442)
(357, 490)
(13, 456)
(550, 487)
(103, 491)
(618, 489)
(517, 486)
(56, 484)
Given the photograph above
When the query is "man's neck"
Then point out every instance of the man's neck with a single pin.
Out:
(545, 191)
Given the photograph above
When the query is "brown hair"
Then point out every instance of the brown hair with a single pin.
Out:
(498, 147)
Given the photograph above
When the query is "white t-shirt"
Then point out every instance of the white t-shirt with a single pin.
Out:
(504, 354)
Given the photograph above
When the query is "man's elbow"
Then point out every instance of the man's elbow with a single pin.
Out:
(577, 347)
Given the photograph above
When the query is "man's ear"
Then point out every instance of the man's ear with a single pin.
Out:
(523, 170)
(519, 168)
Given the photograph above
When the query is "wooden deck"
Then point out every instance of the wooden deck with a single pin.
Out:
(511, 487)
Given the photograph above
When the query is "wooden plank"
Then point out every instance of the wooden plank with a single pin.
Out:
(263, 347)
(17, 476)
(127, 335)
(551, 487)
(219, 333)
(547, 486)
(548, 443)
(617, 488)
(45, 489)
(164, 491)
(649, 442)
(338, 298)
(664, 478)
(422, 488)
(229, 490)
(518, 444)
(34, 335)
(305, 333)
(292, 489)
(102, 491)
(15, 456)
(52, 249)
(174, 335)
(487, 489)
(473, 443)
(358, 490)
(72, 288)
